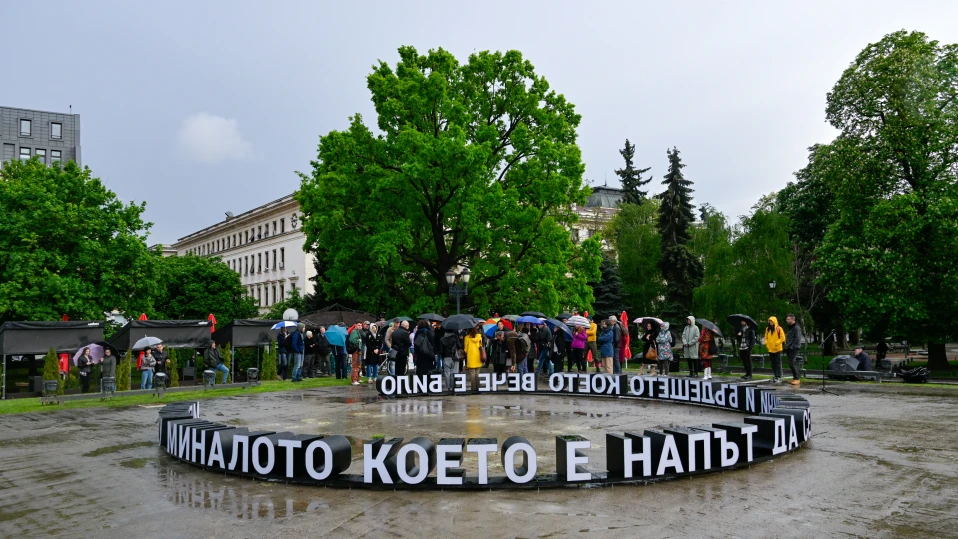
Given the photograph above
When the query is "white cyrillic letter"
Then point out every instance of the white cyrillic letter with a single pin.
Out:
(327, 468)
(443, 464)
(290, 445)
(482, 453)
(669, 457)
(216, 451)
(270, 455)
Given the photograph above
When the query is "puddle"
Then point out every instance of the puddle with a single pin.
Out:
(117, 448)
(135, 463)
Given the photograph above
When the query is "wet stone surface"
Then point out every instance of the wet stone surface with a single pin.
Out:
(883, 462)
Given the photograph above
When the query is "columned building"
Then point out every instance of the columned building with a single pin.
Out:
(601, 207)
(264, 246)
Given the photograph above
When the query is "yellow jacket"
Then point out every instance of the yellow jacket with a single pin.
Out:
(590, 333)
(473, 347)
(774, 338)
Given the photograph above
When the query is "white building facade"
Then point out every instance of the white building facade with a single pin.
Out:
(264, 246)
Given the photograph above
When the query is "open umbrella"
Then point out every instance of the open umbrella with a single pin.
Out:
(146, 342)
(284, 324)
(553, 324)
(626, 339)
(107, 346)
(511, 317)
(432, 317)
(536, 314)
(382, 323)
(528, 319)
(336, 336)
(460, 321)
(490, 329)
(402, 319)
(96, 352)
(579, 321)
(707, 324)
(644, 319)
(563, 316)
(843, 363)
(736, 321)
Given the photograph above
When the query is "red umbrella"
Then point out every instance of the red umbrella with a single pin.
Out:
(212, 320)
(627, 353)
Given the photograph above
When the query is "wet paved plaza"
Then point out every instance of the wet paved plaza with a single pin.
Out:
(883, 462)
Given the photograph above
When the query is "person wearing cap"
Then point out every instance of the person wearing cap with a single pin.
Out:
(864, 360)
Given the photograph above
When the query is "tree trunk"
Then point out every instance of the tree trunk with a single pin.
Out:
(937, 357)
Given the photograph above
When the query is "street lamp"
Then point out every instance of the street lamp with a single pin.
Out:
(771, 286)
(458, 284)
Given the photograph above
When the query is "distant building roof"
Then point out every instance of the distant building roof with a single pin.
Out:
(604, 197)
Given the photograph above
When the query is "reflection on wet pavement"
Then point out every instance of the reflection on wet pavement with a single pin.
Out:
(871, 470)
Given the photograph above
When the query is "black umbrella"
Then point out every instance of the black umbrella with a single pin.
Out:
(112, 348)
(736, 321)
(707, 324)
(536, 314)
(553, 323)
(432, 317)
(460, 321)
(402, 319)
(564, 316)
(843, 363)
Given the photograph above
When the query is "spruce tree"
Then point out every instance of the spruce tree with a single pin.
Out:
(631, 178)
(608, 291)
(681, 270)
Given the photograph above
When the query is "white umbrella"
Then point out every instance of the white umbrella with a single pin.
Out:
(96, 352)
(146, 342)
(580, 321)
(647, 319)
(284, 324)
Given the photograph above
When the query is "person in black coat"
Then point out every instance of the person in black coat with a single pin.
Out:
(864, 360)
(746, 341)
(424, 349)
(402, 344)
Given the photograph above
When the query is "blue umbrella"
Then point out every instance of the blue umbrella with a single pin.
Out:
(336, 335)
(284, 324)
(490, 329)
(529, 320)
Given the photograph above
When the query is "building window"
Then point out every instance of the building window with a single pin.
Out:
(282, 257)
(274, 227)
(247, 238)
(56, 130)
(274, 295)
(54, 156)
(245, 265)
(259, 296)
(274, 259)
(266, 256)
(234, 240)
(259, 263)
(259, 232)
(25, 128)
(282, 293)
(217, 245)
(282, 225)
(24, 154)
(42, 154)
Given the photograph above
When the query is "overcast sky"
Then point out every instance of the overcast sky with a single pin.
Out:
(203, 107)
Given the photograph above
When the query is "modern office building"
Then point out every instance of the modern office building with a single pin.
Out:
(263, 245)
(50, 136)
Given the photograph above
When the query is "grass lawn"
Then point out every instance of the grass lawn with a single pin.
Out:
(20, 406)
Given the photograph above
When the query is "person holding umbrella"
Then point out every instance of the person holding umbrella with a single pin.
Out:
(746, 340)
(85, 364)
(690, 345)
(577, 348)
(146, 369)
(162, 358)
(108, 367)
(706, 351)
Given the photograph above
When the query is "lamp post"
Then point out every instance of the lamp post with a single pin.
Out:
(458, 284)
(771, 287)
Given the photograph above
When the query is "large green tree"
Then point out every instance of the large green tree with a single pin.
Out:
(631, 177)
(633, 234)
(474, 164)
(191, 287)
(681, 270)
(610, 296)
(891, 257)
(68, 246)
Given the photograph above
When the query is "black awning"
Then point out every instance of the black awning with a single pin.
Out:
(245, 332)
(25, 338)
(173, 333)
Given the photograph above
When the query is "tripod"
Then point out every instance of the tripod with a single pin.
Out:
(821, 353)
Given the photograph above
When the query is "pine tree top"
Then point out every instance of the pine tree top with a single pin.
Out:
(631, 178)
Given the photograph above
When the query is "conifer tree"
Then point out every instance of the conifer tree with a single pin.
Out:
(608, 291)
(631, 178)
(681, 270)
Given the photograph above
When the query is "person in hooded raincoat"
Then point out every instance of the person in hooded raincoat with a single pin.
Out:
(774, 341)
(663, 343)
(690, 345)
(707, 352)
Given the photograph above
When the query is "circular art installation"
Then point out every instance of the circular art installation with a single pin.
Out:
(773, 423)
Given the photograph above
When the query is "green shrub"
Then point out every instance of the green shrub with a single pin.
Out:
(268, 370)
(123, 372)
(228, 360)
(174, 369)
(51, 369)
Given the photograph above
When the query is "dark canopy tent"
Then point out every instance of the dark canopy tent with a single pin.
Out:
(245, 332)
(34, 338)
(335, 314)
(173, 333)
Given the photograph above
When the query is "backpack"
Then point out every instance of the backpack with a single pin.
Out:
(423, 344)
(523, 345)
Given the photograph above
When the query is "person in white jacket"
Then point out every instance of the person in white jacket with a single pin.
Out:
(690, 345)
